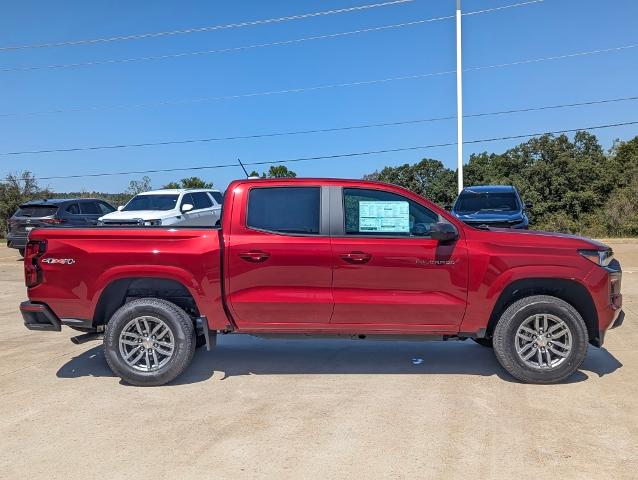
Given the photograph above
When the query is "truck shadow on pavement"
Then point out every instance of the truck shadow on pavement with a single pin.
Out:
(237, 355)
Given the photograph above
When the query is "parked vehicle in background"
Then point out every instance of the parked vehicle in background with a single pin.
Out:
(176, 207)
(68, 212)
(303, 257)
(498, 206)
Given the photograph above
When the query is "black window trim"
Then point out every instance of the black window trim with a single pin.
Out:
(324, 231)
(338, 220)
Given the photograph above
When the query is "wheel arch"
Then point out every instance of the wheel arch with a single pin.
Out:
(568, 290)
(121, 290)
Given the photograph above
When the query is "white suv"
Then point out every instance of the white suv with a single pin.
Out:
(183, 207)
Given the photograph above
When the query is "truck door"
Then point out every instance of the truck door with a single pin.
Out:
(388, 272)
(279, 260)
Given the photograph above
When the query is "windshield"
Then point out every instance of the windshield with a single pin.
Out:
(471, 202)
(151, 202)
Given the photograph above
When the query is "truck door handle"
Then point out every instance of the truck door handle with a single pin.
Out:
(356, 257)
(255, 256)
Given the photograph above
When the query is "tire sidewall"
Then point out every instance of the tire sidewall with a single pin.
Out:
(170, 314)
(505, 335)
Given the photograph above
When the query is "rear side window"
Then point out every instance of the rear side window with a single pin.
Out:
(73, 209)
(202, 200)
(218, 197)
(292, 210)
(380, 213)
(36, 211)
(89, 208)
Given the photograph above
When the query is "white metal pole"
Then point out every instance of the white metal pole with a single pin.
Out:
(459, 97)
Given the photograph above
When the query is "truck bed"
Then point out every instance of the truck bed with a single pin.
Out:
(87, 260)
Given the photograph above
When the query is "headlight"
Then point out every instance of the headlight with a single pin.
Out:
(599, 257)
(152, 223)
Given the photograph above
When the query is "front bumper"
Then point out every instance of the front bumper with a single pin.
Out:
(38, 316)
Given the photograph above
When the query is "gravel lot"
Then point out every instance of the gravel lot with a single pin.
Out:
(314, 409)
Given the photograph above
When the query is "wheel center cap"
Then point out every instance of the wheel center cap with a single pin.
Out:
(147, 342)
(541, 341)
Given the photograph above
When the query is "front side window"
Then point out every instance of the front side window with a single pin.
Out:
(379, 213)
(89, 208)
(105, 208)
(73, 209)
(291, 210)
(151, 202)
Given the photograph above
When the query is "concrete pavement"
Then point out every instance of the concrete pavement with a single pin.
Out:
(314, 409)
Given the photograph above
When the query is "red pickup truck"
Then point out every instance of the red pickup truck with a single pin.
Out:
(324, 257)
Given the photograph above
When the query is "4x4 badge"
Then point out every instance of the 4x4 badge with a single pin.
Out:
(61, 261)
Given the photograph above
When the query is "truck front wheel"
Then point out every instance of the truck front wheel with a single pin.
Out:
(149, 342)
(540, 339)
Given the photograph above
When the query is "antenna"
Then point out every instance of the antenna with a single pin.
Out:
(243, 168)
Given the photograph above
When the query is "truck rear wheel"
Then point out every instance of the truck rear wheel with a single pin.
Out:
(540, 339)
(149, 342)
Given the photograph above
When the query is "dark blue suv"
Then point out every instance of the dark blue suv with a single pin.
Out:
(71, 212)
(498, 206)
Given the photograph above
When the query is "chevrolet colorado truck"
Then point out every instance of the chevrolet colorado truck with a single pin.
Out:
(325, 257)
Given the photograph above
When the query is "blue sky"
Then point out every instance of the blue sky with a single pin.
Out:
(553, 27)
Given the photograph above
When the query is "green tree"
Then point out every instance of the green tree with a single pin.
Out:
(15, 190)
(190, 182)
(429, 178)
(139, 186)
(275, 171)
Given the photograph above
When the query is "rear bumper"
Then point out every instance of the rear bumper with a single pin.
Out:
(38, 316)
(16, 241)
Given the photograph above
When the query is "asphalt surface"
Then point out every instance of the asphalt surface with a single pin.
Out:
(314, 409)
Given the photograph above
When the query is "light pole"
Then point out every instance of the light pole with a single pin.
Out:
(459, 97)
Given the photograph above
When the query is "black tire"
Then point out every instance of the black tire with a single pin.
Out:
(484, 342)
(21, 252)
(514, 316)
(180, 325)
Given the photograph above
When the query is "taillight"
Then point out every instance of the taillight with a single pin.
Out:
(615, 297)
(32, 253)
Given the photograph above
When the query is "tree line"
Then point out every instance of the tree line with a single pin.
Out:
(575, 186)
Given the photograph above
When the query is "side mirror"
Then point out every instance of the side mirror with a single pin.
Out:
(528, 206)
(443, 232)
(120, 208)
(187, 207)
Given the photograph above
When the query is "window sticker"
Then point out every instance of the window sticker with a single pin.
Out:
(384, 217)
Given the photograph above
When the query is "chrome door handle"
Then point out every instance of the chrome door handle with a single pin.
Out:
(356, 257)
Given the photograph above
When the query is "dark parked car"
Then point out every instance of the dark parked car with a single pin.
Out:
(497, 206)
(72, 212)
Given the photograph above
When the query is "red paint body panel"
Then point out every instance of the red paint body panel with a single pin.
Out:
(103, 255)
(303, 285)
